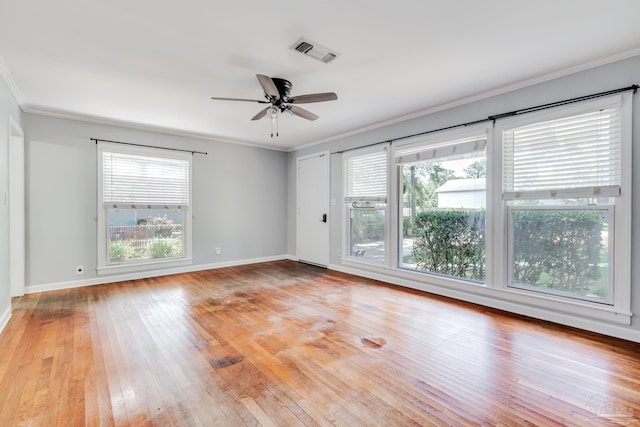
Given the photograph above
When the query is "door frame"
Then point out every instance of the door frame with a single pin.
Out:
(327, 155)
(17, 209)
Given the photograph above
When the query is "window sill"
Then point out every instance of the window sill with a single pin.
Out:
(142, 266)
(583, 308)
(363, 262)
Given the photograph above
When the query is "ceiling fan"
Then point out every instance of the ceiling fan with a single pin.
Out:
(277, 94)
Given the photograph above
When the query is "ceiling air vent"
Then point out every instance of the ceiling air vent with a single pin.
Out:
(329, 57)
(315, 50)
(303, 47)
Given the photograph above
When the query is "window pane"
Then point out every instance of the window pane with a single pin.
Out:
(140, 234)
(367, 234)
(562, 251)
(443, 214)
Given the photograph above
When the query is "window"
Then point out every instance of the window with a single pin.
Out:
(443, 203)
(565, 187)
(144, 207)
(534, 209)
(365, 198)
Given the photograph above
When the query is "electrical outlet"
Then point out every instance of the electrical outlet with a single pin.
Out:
(339, 252)
(80, 269)
(218, 251)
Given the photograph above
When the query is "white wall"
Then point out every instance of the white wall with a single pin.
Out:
(607, 77)
(239, 200)
(8, 109)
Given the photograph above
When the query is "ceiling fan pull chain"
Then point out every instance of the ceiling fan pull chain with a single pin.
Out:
(273, 115)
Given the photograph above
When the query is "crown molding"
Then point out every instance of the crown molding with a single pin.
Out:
(15, 91)
(484, 95)
(86, 118)
(13, 88)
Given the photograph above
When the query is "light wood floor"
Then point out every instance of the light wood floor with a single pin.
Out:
(288, 344)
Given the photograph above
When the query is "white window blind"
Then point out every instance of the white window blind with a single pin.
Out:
(365, 177)
(449, 150)
(144, 181)
(576, 156)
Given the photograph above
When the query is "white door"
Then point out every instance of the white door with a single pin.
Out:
(313, 209)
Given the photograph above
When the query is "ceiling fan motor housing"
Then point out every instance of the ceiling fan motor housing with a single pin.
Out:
(284, 88)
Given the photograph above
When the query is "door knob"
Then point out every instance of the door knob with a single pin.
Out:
(324, 218)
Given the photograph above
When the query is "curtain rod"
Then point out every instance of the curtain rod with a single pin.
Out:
(149, 146)
(495, 117)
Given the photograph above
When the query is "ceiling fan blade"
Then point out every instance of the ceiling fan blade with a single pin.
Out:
(313, 97)
(261, 114)
(268, 86)
(302, 113)
(238, 99)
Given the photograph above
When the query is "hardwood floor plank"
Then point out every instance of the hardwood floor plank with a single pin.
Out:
(98, 395)
(284, 343)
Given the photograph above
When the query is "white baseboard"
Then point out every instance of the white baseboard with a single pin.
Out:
(4, 319)
(101, 280)
(591, 325)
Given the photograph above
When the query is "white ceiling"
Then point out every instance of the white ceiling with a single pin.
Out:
(156, 63)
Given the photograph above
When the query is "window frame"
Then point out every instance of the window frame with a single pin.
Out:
(430, 142)
(103, 266)
(619, 303)
(377, 204)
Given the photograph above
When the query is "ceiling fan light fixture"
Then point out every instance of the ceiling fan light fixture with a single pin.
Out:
(273, 115)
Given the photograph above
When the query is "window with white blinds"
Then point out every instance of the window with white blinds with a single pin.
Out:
(574, 156)
(365, 176)
(144, 181)
(549, 190)
(144, 197)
